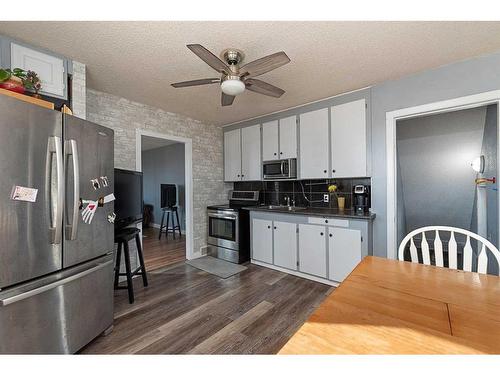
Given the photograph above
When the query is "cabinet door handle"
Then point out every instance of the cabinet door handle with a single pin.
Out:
(326, 221)
(281, 153)
(321, 233)
(268, 227)
(274, 227)
(330, 235)
(333, 170)
(275, 154)
(324, 171)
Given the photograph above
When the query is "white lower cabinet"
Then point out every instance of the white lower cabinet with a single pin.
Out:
(312, 249)
(262, 240)
(285, 245)
(319, 248)
(344, 252)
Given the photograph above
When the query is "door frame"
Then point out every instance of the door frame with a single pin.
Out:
(451, 105)
(188, 177)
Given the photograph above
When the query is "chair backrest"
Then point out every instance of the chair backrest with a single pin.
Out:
(483, 247)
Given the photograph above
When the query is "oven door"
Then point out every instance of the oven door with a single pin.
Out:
(223, 229)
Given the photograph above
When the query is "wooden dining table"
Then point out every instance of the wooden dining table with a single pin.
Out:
(391, 307)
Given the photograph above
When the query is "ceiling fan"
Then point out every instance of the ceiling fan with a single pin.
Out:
(235, 78)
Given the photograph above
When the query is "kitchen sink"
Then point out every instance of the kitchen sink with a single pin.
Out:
(284, 208)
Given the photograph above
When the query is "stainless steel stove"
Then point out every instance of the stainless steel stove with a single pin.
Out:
(229, 227)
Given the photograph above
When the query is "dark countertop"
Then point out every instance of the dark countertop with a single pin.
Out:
(316, 211)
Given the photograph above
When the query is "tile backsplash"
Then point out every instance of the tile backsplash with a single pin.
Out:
(306, 193)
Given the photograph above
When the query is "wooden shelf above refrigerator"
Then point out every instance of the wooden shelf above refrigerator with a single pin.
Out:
(29, 99)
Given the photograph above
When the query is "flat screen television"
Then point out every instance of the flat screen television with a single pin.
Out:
(168, 194)
(128, 197)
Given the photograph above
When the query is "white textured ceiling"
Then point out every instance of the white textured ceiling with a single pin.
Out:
(139, 60)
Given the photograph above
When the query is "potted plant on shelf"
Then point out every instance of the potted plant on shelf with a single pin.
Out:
(18, 80)
(12, 80)
(33, 82)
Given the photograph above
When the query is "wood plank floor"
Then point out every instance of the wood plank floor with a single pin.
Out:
(163, 252)
(186, 310)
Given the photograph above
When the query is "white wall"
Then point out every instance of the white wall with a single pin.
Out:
(125, 116)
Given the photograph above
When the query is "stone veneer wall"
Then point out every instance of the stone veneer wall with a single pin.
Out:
(125, 116)
(79, 90)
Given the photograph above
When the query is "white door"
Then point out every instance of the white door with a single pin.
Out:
(313, 130)
(285, 245)
(250, 153)
(312, 249)
(270, 140)
(49, 68)
(348, 139)
(262, 240)
(232, 155)
(344, 247)
(288, 138)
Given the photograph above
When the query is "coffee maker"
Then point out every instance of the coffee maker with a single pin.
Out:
(361, 199)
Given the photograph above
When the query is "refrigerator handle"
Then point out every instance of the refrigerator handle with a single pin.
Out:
(33, 292)
(55, 147)
(71, 149)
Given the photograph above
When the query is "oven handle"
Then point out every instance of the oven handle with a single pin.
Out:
(282, 164)
(222, 216)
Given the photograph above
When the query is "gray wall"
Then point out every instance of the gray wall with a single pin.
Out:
(434, 154)
(460, 79)
(489, 150)
(164, 165)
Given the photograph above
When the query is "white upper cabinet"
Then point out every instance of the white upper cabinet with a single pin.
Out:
(312, 249)
(344, 247)
(288, 138)
(250, 153)
(270, 140)
(313, 132)
(49, 68)
(232, 155)
(285, 244)
(348, 139)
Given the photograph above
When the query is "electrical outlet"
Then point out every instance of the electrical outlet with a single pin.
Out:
(326, 198)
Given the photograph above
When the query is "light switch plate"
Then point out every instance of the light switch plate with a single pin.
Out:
(326, 198)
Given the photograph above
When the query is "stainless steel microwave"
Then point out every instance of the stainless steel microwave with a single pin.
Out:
(279, 169)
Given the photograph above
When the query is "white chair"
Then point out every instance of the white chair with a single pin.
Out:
(482, 257)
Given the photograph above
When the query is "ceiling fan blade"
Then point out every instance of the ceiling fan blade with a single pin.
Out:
(226, 100)
(265, 64)
(196, 82)
(262, 87)
(209, 58)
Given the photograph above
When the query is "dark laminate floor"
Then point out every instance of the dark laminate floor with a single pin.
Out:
(185, 310)
(162, 252)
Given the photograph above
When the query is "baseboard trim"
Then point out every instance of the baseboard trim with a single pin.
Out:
(295, 273)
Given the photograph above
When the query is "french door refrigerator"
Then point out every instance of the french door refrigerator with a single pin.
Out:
(56, 269)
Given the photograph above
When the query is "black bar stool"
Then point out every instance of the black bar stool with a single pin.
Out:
(169, 229)
(122, 237)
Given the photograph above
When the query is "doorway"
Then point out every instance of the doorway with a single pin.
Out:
(165, 162)
(432, 153)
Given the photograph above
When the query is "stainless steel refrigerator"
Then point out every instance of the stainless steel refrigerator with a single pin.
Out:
(56, 271)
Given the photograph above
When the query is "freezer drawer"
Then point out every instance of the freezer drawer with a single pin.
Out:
(58, 315)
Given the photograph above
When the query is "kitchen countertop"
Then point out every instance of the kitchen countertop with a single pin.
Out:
(315, 211)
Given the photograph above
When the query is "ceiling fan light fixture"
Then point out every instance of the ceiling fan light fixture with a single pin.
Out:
(232, 86)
